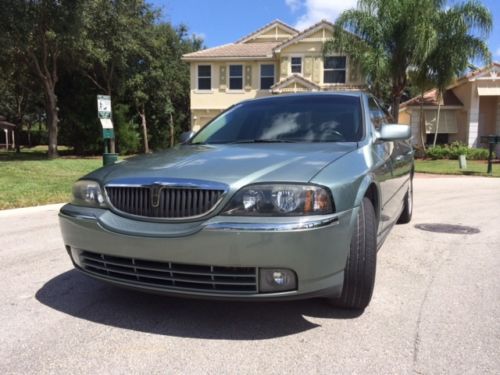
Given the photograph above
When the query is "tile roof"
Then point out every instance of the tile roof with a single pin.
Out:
(305, 33)
(235, 50)
(431, 99)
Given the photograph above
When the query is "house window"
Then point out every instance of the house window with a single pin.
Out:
(296, 65)
(204, 77)
(235, 77)
(266, 76)
(334, 70)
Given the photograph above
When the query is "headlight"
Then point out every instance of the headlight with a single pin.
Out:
(280, 200)
(88, 193)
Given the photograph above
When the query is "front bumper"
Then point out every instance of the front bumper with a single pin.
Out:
(314, 248)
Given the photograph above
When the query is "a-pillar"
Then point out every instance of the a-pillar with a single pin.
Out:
(473, 117)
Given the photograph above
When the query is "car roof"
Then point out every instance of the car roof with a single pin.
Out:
(356, 94)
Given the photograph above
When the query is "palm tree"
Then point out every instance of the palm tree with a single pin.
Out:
(457, 45)
(387, 38)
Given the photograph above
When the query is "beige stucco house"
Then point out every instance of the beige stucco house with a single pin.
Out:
(470, 109)
(274, 59)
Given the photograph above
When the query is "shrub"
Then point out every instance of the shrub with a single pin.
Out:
(454, 150)
(437, 152)
(478, 154)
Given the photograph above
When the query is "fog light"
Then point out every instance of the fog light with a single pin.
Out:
(277, 280)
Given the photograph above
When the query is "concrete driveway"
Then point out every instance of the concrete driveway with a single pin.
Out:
(436, 306)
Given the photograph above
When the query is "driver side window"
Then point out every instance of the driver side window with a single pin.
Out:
(377, 114)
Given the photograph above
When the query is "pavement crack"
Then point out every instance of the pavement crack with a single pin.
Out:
(417, 338)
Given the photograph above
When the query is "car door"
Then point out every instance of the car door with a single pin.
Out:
(383, 153)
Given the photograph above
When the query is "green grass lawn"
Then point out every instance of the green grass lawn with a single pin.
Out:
(474, 167)
(29, 179)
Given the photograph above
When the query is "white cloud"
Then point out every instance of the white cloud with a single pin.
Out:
(316, 10)
(294, 5)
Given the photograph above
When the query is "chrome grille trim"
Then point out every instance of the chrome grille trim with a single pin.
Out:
(171, 276)
(164, 198)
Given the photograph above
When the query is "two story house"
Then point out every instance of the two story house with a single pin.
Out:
(274, 59)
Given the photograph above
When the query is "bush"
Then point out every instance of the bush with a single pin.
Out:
(437, 152)
(454, 150)
(478, 154)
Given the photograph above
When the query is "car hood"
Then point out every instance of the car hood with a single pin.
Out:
(235, 165)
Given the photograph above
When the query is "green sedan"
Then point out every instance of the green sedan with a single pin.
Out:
(281, 197)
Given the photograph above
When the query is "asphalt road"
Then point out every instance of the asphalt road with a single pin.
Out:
(436, 306)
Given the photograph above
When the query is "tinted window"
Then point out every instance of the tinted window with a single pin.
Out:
(296, 65)
(204, 77)
(311, 118)
(334, 69)
(266, 76)
(377, 114)
(236, 77)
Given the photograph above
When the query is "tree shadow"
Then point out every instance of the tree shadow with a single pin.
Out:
(83, 297)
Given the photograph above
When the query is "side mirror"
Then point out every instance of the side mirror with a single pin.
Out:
(186, 136)
(394, 132)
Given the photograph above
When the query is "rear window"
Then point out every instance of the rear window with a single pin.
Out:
(311, 118)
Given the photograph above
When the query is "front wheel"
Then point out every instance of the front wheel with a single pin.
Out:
(359, 273)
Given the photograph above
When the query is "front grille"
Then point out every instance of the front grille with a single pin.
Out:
(172, 276)
(163, 202)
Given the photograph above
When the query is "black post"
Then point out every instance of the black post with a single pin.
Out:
(490, 157)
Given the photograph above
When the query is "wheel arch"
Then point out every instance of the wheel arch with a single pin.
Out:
(370, 188)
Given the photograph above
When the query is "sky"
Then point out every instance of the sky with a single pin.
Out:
(224, 21)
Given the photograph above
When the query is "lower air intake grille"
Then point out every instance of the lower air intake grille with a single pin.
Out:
(172, 276)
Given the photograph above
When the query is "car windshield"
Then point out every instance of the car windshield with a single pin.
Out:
(308, 118)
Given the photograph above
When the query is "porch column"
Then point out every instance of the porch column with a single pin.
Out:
(6, 139)
(13, 139)
(497, 128)
(473, 117)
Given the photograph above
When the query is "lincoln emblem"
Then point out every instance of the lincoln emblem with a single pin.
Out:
(155, 195)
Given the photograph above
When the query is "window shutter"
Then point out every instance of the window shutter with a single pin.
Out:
(248, 77)
(308, 63)
(222, 78)
(284, 67)
(317, 69)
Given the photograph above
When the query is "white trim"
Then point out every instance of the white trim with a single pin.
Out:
(260, 75)
(197, 89)
(228, 73)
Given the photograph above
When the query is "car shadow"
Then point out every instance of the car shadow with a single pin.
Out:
(80, 296)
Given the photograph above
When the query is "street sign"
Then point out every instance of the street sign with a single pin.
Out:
(104, 106)
(108, 133)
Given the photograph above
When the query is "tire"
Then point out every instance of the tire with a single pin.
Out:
(405, 216)
(359, 274)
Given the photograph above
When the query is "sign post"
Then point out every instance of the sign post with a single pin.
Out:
(108, 132)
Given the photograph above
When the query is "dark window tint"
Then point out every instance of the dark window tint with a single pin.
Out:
(204, 77)
(311, 118)
(377, 115)
(296, 65)
(236, 77)
(334, 69)
(266, 76)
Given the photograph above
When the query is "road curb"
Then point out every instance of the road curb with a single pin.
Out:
(27, 210)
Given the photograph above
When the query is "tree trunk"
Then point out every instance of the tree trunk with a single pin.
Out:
(423, 130)
(172, 132)
(52, 120)
(142, 114)
(396, 100)
(437, 120)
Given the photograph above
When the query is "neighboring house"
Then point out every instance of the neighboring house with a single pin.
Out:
(272, 60)
(470, 109)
